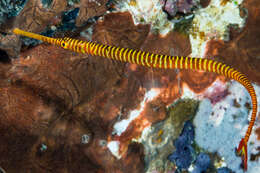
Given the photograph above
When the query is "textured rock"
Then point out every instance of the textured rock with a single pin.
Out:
(118, 29)
(89, 9)
(35, 17)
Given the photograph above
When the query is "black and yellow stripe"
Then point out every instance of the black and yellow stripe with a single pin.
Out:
(157, 61)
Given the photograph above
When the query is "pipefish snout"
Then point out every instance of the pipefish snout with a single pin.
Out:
(158, 61)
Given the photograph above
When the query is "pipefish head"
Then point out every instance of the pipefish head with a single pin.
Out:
(64, 43)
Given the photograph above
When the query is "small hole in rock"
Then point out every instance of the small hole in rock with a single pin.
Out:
(4, 58)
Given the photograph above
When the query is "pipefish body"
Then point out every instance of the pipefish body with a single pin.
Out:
(158, 61)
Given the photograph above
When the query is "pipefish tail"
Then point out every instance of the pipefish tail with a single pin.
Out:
(158, 61)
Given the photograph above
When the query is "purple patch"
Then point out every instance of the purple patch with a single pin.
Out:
(174, 6)
(185, 6)
(170, 7)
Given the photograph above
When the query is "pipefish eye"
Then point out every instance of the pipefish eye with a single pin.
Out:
(63, 44)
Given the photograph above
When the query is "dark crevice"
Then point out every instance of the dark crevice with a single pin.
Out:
(4, 58)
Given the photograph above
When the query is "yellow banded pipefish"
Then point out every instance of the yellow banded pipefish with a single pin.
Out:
(158, 61)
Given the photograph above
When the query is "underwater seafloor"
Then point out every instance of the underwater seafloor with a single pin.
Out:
(65, 112)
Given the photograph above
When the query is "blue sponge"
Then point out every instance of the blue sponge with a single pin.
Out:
(202, 163)
(184, 154)
(223, 170)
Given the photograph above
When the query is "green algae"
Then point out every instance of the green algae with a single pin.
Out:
(180, 112)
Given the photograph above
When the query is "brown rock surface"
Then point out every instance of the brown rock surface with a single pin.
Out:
(242, 51)
(53, 96)
(34, 17)
(89, 9)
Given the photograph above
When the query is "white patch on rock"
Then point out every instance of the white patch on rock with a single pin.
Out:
(113, 146)
(148, 12)
(122, 125)
(213, 21)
